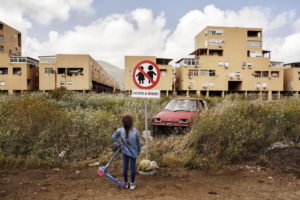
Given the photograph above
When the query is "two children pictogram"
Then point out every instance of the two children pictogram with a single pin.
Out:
(141, 77)
(146, 74)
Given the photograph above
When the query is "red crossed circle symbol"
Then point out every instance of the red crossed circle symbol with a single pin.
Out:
(153, 82)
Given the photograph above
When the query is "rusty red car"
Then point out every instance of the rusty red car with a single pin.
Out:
(177, 115)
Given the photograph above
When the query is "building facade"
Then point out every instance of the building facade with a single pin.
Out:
(18, 73)
(167, 74)
(10, 40)
(74, 72)
(229, 60)
(292, 78)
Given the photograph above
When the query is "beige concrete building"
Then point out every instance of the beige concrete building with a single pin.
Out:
(167, 77)
(74, 72)
(10, 40)
(18, 73)
(292, 78)
(229, 60)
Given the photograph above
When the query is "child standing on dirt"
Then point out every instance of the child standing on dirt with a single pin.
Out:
(130, 148)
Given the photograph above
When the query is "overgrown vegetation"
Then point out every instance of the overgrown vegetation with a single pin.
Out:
(232, 132)
(35, 128)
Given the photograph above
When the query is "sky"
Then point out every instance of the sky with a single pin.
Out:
(110, 29)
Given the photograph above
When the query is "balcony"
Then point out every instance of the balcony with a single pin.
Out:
(163, 61)
(47, 59)
(254, 43)
(188, 62)
(26, 60)
(254, 34)
(214, 43)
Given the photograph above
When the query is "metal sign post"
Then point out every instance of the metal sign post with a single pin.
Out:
(145, 76)
(146, 128)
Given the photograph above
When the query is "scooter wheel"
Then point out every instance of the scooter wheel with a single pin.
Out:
(100, 172)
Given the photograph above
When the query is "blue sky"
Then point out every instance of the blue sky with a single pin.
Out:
(109, 30)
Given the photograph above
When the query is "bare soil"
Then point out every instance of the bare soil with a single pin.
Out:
(235, 182)
(247, 183)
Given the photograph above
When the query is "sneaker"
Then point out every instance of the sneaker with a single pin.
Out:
(127, 185)
(132, 186)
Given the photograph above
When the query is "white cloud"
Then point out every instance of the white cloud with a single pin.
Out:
(110, 38)
(286, 49)
(20, 13)
(181, 41)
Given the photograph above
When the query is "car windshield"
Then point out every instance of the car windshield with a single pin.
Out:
(181, 105)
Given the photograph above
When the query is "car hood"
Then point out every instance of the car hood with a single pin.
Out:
(175, 116)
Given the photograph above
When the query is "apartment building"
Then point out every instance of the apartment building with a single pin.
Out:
(167, 73)
(229, 60)
(74, 72)
(10, 40)
(292, 78)
(18, 73)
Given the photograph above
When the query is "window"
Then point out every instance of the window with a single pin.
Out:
(69, 83)
(74, 71)
(1, 37)
(275, 74)
(163, 72)
(216, 32)
(254, 43)
(215, 52)
(298, 75)
(19, 40)
(265, 74)
(61, 70)
(48, 71)
(3, 70)
(254, 34)
(2, 83)
(254, 54)
(193, 72)
(238, 74)
(212, 72)
(1, 48)
(62, 84)
(257, 74)
(215, 42)
(17, 71)
(203, 72)
(191, 61)
(1, 26)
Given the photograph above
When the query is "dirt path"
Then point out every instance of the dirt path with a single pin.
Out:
(247, 183)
